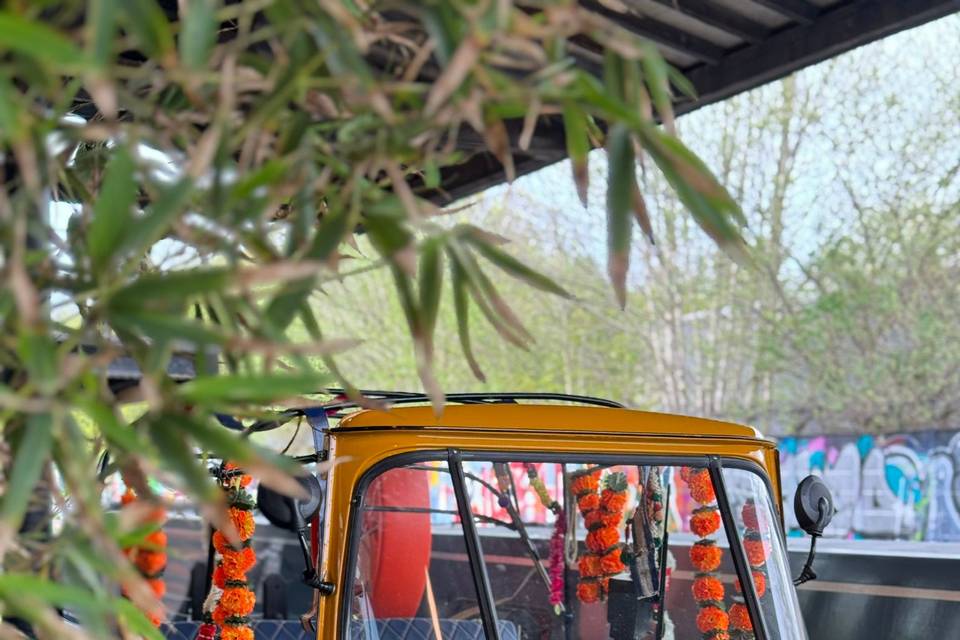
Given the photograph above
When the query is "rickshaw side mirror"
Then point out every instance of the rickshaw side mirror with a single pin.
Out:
(813, 506)
(295, 514)
(286, 512)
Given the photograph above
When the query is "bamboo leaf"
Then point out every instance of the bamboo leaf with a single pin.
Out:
(155, 222)
(514, 267)
(198, 33)
(112, 212)
(147, 21)
(578, 147)
(431, 284)
(248, 388)
(620, 189)
(31, 452)
(175, 287)
(178, 457)
(657, 80)
(709, 203)
(461, 306)
(101, 27)
(38, 41)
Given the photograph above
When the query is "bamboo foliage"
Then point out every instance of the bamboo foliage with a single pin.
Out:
(218, 158)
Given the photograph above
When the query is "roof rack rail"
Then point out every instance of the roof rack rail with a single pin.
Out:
(335, 409)
(406, 397)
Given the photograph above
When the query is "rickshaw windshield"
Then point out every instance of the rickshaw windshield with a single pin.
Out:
(511, 548)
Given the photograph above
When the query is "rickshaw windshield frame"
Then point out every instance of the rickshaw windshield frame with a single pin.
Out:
(455, 457)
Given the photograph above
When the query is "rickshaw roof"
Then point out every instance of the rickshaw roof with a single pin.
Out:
(507, 417)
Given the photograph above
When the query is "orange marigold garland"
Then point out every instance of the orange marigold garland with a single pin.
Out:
(706, 557)
(584, 488)
(236, 600)
(150, 556)
(602, 515)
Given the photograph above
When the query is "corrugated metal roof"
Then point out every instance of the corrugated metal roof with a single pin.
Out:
(724, 47)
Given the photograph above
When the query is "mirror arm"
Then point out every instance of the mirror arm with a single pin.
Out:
(310, 577)
(807, 573)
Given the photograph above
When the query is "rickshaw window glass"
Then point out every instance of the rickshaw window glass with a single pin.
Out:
(412, 576)
(756, 522)
(612, 521)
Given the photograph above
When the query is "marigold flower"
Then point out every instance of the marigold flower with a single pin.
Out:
(237, 601)
(749, 515)
(220, 543)
(219, 615)
(243, 522)
(588, 502)
(150, 563)
(156, 540)
(757, 551)
(600, 540)
(712, 619)
(589, 566)
(219, 577)
(706, 557)
(613, 501)
(237, 563)
(759, 581)
(707, 588)
(740, 617)
(585, 483)
(236, 633)
(588, 592)
(611, 564)
(128, 497)
(705, 521)
(593, 519)
(701, 487)
(158, 586)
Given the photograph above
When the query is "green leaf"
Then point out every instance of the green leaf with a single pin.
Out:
(620, 191)
(171, 287)
(656, 72)
(10, 111)
(136, 621)
(102, 28)
(284, 306)
(147, 21)
(165, 328)
(578, 147)
(38, 352)
(198, 33)
(213, 438)
(431, 283)
(711, 206)
(156, 220)
(30, 453)
(38, 41)
(248, 388)
(461, 306)
(112, 211)
(514, 267)
(53, 593)
(332, 229)
(120, 436)
(177, 455)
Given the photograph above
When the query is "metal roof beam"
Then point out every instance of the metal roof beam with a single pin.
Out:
(718, 17)
(834, 32)
(660, 33)
(798, 10)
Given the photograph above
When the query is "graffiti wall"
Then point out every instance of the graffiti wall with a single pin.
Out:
(902, 487)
